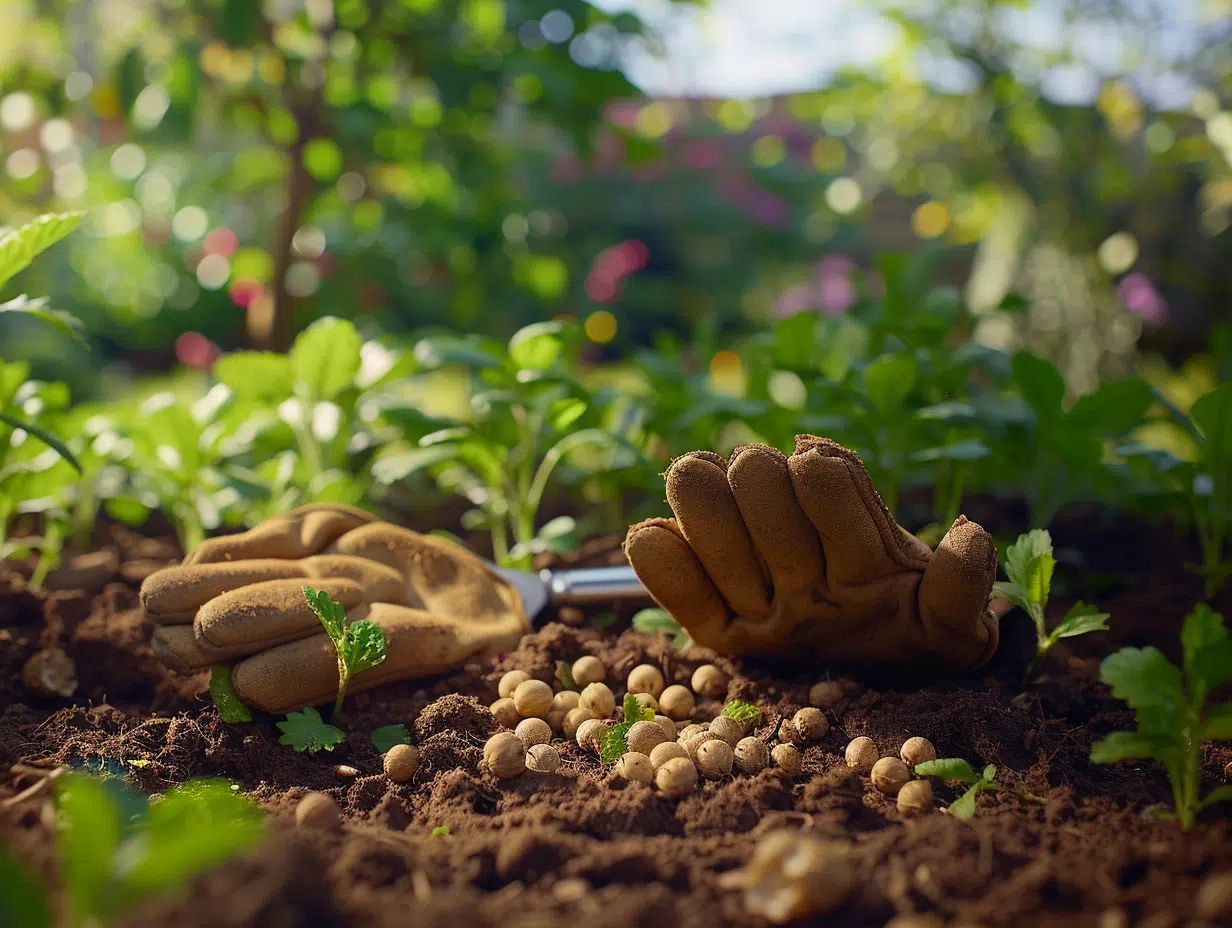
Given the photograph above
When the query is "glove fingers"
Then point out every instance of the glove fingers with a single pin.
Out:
(787, 542)
(711, 523)
(676, 580)
(955, 590)
(259, 614)
(178, 647)
(298, 533)
(174, 594)
(860, 539)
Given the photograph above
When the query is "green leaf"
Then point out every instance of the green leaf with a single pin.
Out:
(325, 358)
(655, 621)
(229, 706)
(439, 350)
(1127, 745)
(537, 346)
(39, 308)
(970, 450)
(1012, 592)
(1041, 384)
(306, 731)
(989, 774)
(1029, 564)
(1143, 678)
(564, 676)
(23, 900)
(1115, 408)
(364, 646)
(1204, 645)
(948, 768)
(1219, 794)
(440, 831)
(87, 839)
(964, 806)
(612, 743)
(258, 375)
(1218, 725)
(387, 736)
(1080, 619)
(331, 613)
(634, 711)
(20, 246)
(742, 711)
(564, 412)
(1213, 415)
(889, 380)
(45, 437)
(398, 465)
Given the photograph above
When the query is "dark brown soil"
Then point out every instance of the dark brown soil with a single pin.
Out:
(576, 847)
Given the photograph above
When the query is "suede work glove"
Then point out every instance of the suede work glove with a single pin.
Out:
(799, 557)
(239, 598)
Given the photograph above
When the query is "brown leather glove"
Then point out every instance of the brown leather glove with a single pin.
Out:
(798, 556)
(241, 597)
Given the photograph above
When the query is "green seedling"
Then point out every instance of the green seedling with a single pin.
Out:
(564, 676)
(230, 708)
(359, 645)
(307, 731)
(387, 736)
(1029, 564)
(742, 711)
(955, 769)
(612, 746)
(1171, 708)
(654, 621)
(440, 831)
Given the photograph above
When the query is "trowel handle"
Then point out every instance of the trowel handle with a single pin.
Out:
(592, 584)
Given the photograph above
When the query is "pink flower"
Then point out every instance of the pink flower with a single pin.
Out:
(195, 350)
(1141, 298)
(835, 289)
(797, 298)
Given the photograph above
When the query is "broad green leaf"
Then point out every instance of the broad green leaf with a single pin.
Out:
(1213, 415)
(947, 768)
(889, 381)
(1202, 629)
(258, 375)
(439, 350)
(952, 411)
(537, 346)
(964, 806)
(21, 245)
(1041, 384)
(23, 900)
(329, 611)
(1012, 592)
(230, 707)
(1144, 678)
(306, 731)
(1218, 725)
(653, 621)
(387, 736)
(87, 840)
(1029, 563)
(1129, 745)
(398, 465)
(989, 774)
(126, 509)
(325, 358)
(40, 309)
(1080, 619)
(564, 412)
(1115, 408)
(564, 676)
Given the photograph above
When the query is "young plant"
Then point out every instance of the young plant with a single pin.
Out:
(307, 731)
(612, 746)
(230, 708)
(1171, 708)
(958, 770)
(743, 711)
(387, 736)
(1029, 564)
(655, 621)
(18, 248)
(359, 645)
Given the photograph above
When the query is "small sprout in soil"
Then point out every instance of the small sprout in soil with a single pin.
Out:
(635, 767)
(915, 796)
(709, 681)
(510, 682)
(655, 621)
(668, 726)
(958, 770)
(744, 712)
(728, 729)
(533, 699)
(643, 736)
(811, 724)
(599, 699)
(916, 751)
(751, 755)
(359, 645)
(787, 758)
(646, 678)
(826, 694)
(573, 721)
(440, 831)
(565, 700)
(614, 741)
(542, 758)
(793, 876)
(1171, 707)
(504, 755)
(505, 712)
(889, 775)
(400, 762)
(1029, 564)
(387, 736)
(533, 731)
(715, 758)
(590, 732)
(676, 702)
(861, 754)
(664, 752)
(587, 670)
(230, 708)
(51, 672)
(676, 777)
(306, 731)
(318, 811)
(564, 676)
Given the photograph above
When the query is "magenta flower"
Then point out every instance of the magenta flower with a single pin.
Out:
(1141, 298)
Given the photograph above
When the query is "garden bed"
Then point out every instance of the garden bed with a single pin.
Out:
(573, 846)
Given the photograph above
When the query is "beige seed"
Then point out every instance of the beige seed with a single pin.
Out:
(677, 702)
(1215, 896)
(811, 724)
(826, 694)
(533, 731)
(598, 698)
(400, 762)
(751, 755)
(50, 672)
(589, 733)
(861, 754)
(635, 767)
(668, 726)
(587, 670)
(915, 796)
(676, 778)
(787, 758)
(714, 759)
(573, 719)
(689, 731)
(565, 700)
(646, 678)
(505, 712)
(664, 752)
(646, 701)
(533, 699)
(727, 729)
(319, 811)
(710, 682)
(556, 720)
(695, 741)
(890, 775)
(504, 755)
(643, 736)
(788, 734)
(510, 681)
(542, 758)
(917, 751)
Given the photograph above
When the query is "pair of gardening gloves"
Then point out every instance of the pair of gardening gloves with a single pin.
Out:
(767, 554)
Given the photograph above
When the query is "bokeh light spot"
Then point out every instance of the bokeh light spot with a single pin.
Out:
(128, 161)
(843, 195)
(17, 111)
(189, 223)
(768, 151)
(931, 219)
(1118, 252)
(213, 271)
(600, 326)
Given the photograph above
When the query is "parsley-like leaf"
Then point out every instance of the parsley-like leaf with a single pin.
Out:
(365, 645)
(330, 612)
(387, 736)
(306, 731)
(1080, 619)
(612, 744)
(1029, 564)
(742, 711)
(359, 645)
(230, 708)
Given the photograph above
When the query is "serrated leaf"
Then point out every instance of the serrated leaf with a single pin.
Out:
(634, 711)
(21, 245)
(364, 646)
(537, 346)
(612, 743)
(1143, 678)
(230, 708)
(1029, 564)
(964, 806)
(325, 358)
(388, 736)
(307, 731)
(1080, 619)
(564, 676)
(947, 768)
(1206, 648)
(742, 711)
(331, 613)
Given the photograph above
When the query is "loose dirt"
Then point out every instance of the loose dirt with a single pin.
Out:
(546, 849)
